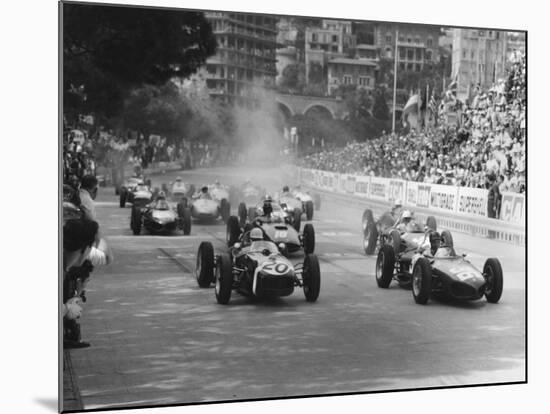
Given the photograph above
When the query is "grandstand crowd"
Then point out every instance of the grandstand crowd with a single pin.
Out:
(488, 145)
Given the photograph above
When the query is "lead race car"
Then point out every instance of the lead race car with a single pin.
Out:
(430, 265)
(279, 227)
(160, 217)
(379, 232)
(254, 266)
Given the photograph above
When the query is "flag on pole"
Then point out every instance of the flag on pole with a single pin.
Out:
(412, 106)
(453, 86)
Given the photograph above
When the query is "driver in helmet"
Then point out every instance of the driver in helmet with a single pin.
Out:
(217, 184)
(204, 194)
(266, 210)
(397, 209)
(257, 242)
(431, 244)
(403, 222)
(286, 191)
(160, 202)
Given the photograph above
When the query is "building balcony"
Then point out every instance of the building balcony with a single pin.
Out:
(415, 45)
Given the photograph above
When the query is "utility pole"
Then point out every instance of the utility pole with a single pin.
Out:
(394, 83)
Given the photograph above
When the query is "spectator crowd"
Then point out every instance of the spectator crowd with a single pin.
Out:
(487, 147)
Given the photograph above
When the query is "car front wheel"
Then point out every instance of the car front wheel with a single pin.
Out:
(422, 281)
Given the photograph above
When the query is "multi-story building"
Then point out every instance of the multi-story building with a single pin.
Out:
(515, 45)
(244, 63)
(345, 71)
(479, 58)
(417, 45)
(333, 39)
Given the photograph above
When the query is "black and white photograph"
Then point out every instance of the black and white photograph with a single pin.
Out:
(258, 206)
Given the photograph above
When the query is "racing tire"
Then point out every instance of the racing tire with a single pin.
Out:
(447, 240)
(492, 271)
(122, 198)
(148, 182)
(431, 223)
(241, 212)
(309, 238)
(309, 210)
(204, 267)
(233, 231)
(225, 209)
(385, 265)
(370, 238)
(186, 221)
(297, 219)
(422, 281)
(368, 218)
(164, 189)
(395, 237)
(311, 278)
(184, 202)
(251, 213)
(135, 221)
(317, 201)
(224, 279)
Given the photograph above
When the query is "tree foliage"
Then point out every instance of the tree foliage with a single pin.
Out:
(110, 50)
(380, 108)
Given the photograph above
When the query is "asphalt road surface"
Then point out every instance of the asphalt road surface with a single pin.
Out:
(157, 338)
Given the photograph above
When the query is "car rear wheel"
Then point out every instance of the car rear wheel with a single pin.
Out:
(422, 281)
(297, 219)
(186, 221)
(204, 269)
(224, 279)
(135, 220)
(122, 198)
(241, 212)
(492, 270)
(309, 210)
(233, 231)
(368, 217)
(370, 237)
(311, 277)
(395, 237)
(225, 210)
(309, 238)
(431, 223)
(385, 264)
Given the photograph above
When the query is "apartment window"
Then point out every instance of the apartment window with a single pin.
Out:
(314, 37)
(464, 54)
(402, 53)
(409, 40)
(402, 66)
(430, 42)
(410, 54)
(335, 49)
(417, 40)
(418, 54)
(472, 54)
(481, 33)
(418, 67)
(363, 81)
(388, 38)
(428, 54)
(348, 80)
(334, 38)
(409, 66)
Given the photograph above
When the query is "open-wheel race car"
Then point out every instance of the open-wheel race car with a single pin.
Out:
(160, 217)
(430, 265)
(278, 226)
(204, 206)
(135, 191)
(178, 189)
(279, 213)
(254, 266)
(379, 232)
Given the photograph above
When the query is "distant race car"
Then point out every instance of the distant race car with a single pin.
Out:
(178, 190)
(160, 217)
(130, 182)
(204, 206)
(377, 233)
(256, 268)
(280, 228)
(135, 191)
(430, 265)
(291, 216)
(310, 202)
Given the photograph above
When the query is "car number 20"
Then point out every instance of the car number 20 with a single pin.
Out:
(275, 268)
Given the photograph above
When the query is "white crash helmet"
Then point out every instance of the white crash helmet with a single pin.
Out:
(256, 234)
(407, 214)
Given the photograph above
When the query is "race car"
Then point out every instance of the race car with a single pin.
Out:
(178, 189)
(255, 267)
(204, 206)
(291, 216)
(297, 199)
(135, 191)
(432, 267)
(377, 233)
(278, 227)
(160, 217)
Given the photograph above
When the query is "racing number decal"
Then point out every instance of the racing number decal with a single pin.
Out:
(280, 234)
(276, 268)
(463, 276)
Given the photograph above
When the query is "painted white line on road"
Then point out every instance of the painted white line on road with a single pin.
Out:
(106, 203)
(336, 233)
